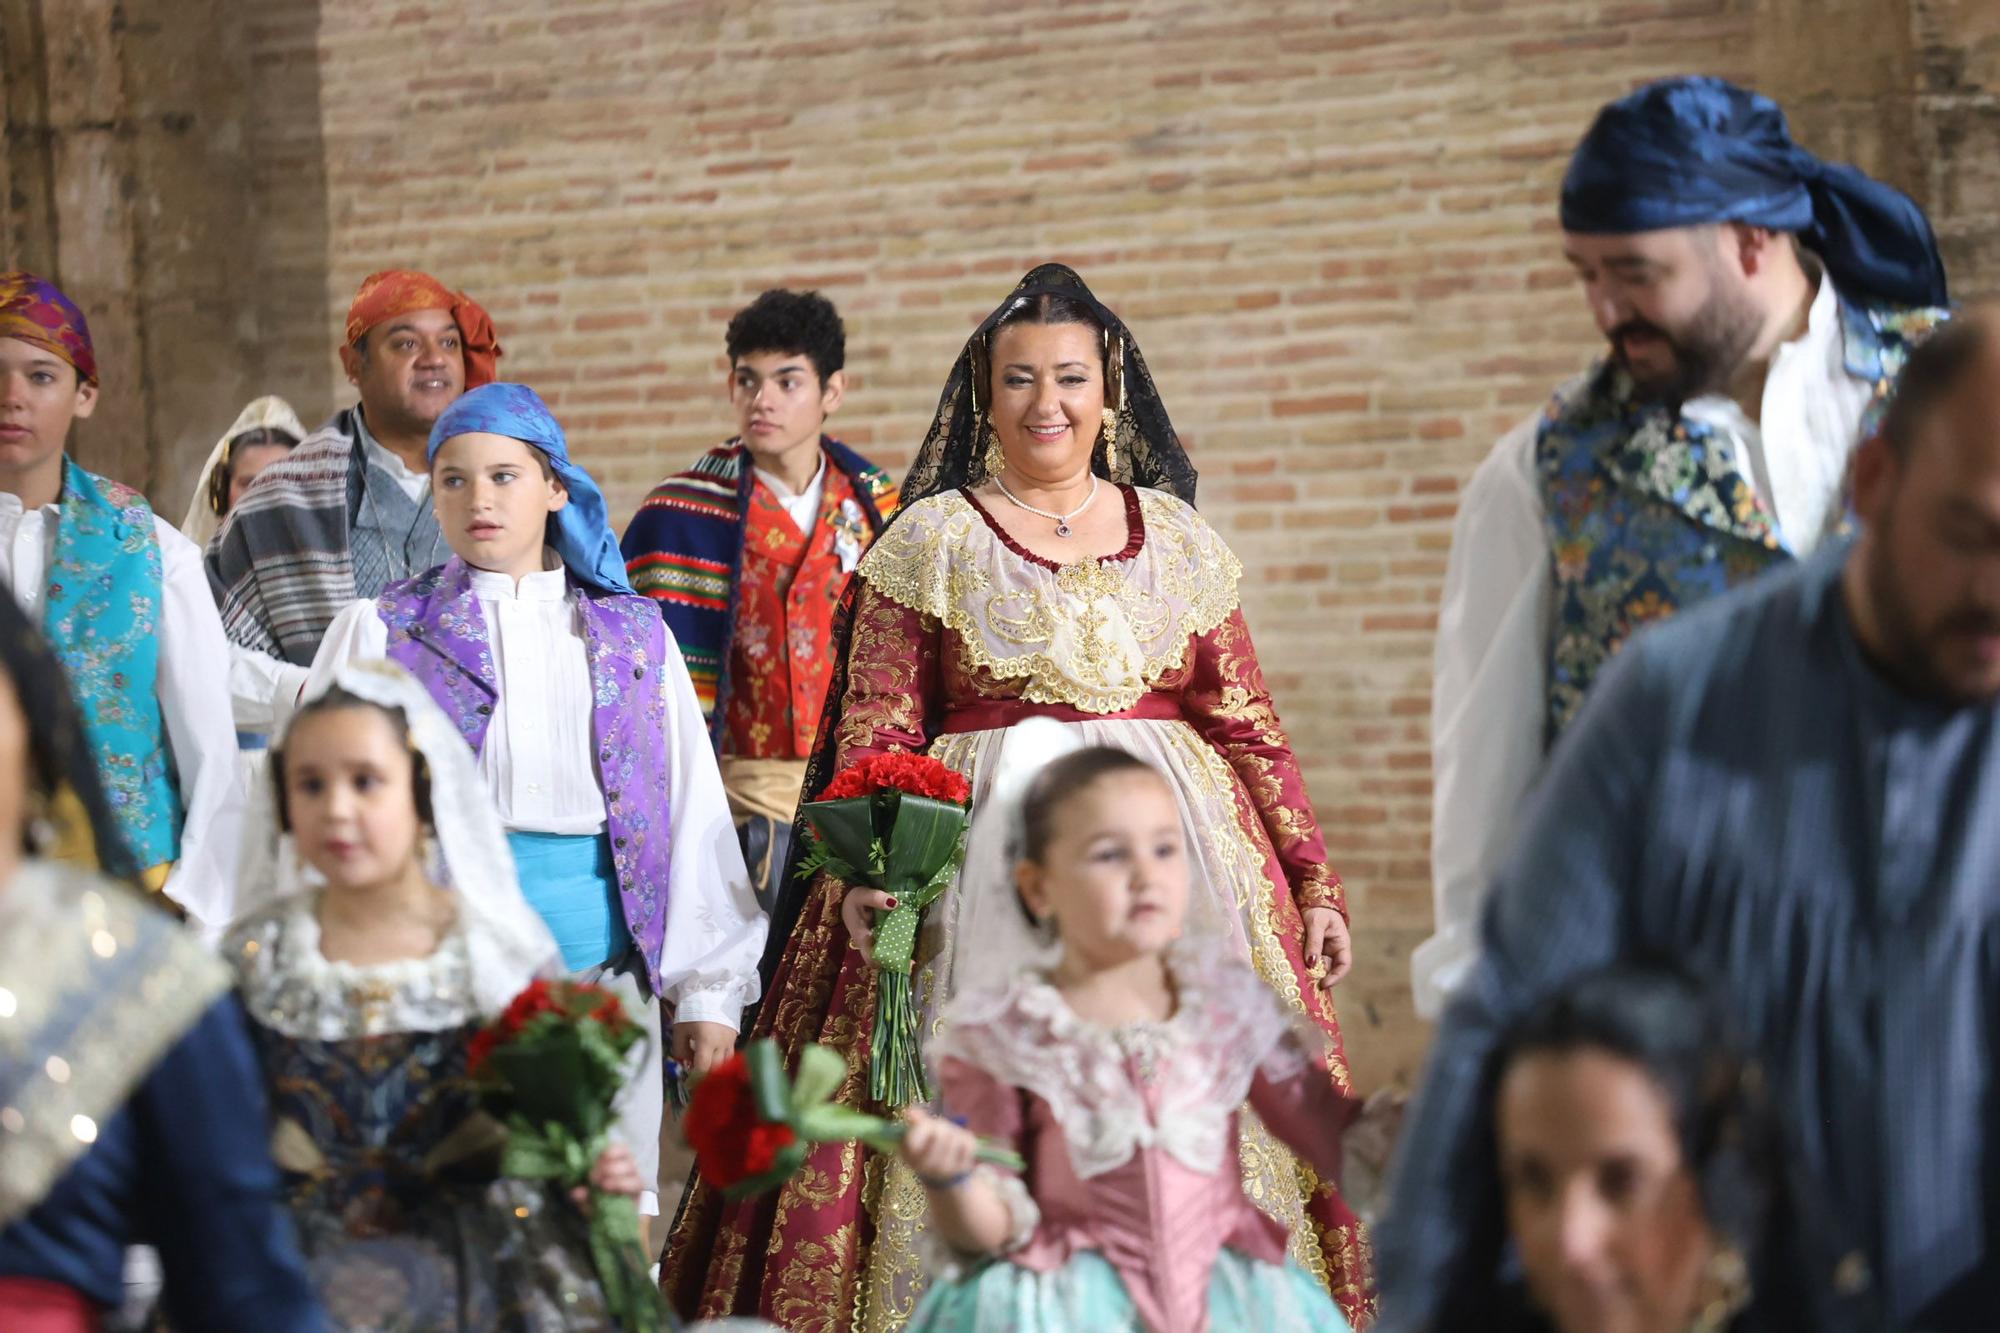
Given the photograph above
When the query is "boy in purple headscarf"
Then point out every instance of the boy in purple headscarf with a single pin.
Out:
(572, 692)
(1758, 303)
(123, 599)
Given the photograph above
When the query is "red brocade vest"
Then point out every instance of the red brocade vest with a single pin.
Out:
(781, 658)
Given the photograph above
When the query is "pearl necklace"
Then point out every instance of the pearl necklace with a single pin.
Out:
(1061, 520)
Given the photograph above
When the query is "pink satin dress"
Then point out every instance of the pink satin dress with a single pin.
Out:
(1130, 1134)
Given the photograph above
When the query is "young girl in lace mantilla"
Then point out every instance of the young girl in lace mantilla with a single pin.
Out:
(1118, 1071)
(383, 929)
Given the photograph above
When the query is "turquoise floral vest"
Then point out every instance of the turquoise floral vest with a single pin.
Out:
(1646, 512)
(102, 617)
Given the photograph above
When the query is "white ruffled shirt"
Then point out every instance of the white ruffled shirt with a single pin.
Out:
(1489, 696)
(537, 761)
(539, 767)
(194, 701)
(802, 506)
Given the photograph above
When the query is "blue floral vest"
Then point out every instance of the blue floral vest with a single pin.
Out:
(102, 617)
(1646, 512)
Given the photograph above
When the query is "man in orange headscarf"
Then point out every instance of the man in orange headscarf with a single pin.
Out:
(349, 511)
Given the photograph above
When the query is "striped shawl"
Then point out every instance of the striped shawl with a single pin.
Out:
(282, 567)
(684, 549)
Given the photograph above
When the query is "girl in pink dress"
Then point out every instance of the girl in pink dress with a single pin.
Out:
(1117, 1063)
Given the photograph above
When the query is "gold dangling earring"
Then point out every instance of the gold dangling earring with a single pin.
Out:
(1727, 1277)
(1114, 386)
(996, 457)
(65, 829)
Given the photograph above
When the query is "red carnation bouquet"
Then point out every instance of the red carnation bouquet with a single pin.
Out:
(750, 1126)
(910, 774)
(549, 1069)
(895, 822)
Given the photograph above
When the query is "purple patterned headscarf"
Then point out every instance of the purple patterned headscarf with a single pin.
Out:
(35, 311)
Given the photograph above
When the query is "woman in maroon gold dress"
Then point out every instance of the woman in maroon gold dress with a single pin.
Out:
(1047, 562)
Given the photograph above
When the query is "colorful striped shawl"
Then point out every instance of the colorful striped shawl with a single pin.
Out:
(684, 549)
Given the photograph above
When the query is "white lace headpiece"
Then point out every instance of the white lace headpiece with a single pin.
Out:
(269, 412)
(507, 941)
(992, 914)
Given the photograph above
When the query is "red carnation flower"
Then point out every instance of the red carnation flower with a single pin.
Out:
(483, 1042)
(912, 774)
(535, 1000)
(764, 1143)
(719, 1121)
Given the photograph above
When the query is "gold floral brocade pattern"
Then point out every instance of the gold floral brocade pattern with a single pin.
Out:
(1236, 715)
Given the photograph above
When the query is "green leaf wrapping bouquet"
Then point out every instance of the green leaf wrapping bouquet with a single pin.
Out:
(897, 823)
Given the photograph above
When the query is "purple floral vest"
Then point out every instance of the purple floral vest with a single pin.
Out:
(438, 633)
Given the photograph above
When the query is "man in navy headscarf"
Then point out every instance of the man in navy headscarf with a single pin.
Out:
(1758, 303)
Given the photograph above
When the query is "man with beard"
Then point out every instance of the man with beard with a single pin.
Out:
(1759, 304)
(1792, 792)
(347, 512)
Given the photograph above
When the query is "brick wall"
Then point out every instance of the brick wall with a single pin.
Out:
(1331, 224)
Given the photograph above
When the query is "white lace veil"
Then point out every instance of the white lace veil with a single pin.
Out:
(998, 941)
(269, 412)
(507, 941)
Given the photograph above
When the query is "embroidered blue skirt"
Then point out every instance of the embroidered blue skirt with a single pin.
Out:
(571, 881)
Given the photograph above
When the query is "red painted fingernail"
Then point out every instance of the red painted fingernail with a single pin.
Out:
(1312, 960)
(892, 902)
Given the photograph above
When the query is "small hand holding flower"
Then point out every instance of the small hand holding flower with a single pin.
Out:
(700, 1047)
(940, 1152)
(616, 1171)
(550, 1068)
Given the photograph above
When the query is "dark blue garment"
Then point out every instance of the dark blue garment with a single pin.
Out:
(1689, 152)
(1745, 796)
(401, 1217)
(183, 1166)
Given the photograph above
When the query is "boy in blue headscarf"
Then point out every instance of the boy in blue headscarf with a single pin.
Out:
(1759, 304)
(570, 688)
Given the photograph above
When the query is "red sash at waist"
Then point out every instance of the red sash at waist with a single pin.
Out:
(993, 714)
(31, 1305)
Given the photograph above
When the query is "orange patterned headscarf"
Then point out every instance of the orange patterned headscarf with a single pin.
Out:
(35, 311)
(398, 291)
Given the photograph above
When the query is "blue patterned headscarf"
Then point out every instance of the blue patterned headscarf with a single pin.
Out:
(582, 529)
(1693, 151)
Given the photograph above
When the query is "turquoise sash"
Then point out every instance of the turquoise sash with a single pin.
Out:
(103, 618)
(572, 882)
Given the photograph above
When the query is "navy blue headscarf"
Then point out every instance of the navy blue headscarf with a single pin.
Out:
(582, 533)
(1694, 151)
